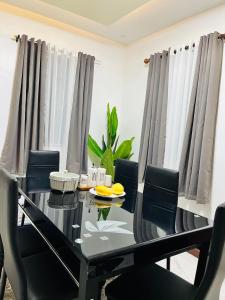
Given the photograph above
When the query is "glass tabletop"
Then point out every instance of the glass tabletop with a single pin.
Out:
(96, 225)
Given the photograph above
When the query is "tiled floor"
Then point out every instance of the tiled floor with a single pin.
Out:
(8, 293)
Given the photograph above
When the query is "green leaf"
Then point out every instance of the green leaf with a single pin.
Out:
(99, 213)
(94, 151)
(94, 158)
(94, 147)
(108, 126)
(124, 149)
(107, 162)
(103, 143)
(114, 125)
(105, 212)
(115, 145)
(130, 156)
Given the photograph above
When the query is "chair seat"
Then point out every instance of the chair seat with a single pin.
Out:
(47, 279)
(150, 283)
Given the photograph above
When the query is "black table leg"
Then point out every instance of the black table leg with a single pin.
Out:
(168, 263)
(202, 260)
(89, 288)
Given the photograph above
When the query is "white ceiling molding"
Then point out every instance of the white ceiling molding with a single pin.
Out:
(135, 20)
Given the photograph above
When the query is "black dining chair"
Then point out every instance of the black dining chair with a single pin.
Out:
(29, 243)
(154, 282)
(126, 173)
(40, 164)
(35, 276)
(161, 192)
(161, 188)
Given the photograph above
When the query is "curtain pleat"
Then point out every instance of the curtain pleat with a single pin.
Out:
(152, 146)
(25, 129)
(60, 80)
(181, 74)
(197, 152)
(77, 156)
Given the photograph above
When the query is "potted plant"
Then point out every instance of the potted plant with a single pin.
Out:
(111, 150)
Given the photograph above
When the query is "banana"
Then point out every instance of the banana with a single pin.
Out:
(102, 190)
(117, 189)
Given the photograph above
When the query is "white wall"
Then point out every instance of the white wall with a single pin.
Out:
(7, 67)
(136, 72)
(108, 77)
(218, 186)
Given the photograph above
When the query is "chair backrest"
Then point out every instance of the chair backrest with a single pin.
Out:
(40, 165)
(215, 270)
(164, 219)
(161, 189)
(126, 173)
(8, 229)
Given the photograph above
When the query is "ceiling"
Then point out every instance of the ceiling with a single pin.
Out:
(123, 21)
(102, 11)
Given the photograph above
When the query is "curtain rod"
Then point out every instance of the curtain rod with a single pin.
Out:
(16, 39)
(221, 36)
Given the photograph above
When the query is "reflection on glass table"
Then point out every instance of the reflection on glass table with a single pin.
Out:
(77, 216)
(60, 200)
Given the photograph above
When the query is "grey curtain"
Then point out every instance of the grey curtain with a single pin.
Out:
(25, 129)
(153, 136)
(80, 118)
(197, 153)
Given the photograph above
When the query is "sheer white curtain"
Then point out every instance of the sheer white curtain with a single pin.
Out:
(181, 73)
(59, 96)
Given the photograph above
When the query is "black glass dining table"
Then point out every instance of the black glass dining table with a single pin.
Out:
(109, 237)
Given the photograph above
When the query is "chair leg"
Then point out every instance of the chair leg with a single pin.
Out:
(23, 215)
(168, 263)
(3, 284)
